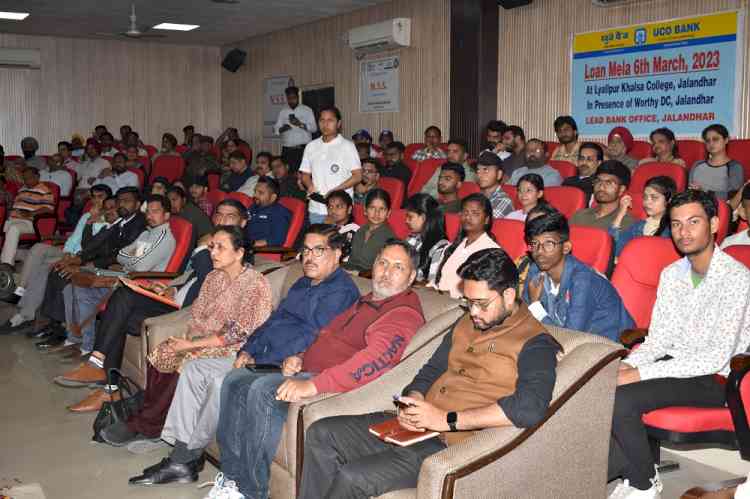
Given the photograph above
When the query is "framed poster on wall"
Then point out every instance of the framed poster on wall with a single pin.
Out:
(273, 100)
(379, 85)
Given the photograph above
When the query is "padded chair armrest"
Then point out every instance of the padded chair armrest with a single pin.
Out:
(631, 337)
(157, 329)
(154, 275)
(740, 363)
(286, 253)
(43, 216)
(738, 406)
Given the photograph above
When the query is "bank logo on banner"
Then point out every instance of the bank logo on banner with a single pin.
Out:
(640, 36)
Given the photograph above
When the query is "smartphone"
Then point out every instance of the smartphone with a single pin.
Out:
(292, 117)
(263, 368)
(401, 405)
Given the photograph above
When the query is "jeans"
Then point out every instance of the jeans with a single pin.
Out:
(249, 431)
(33, 278)
(80, 304)
(342, 459)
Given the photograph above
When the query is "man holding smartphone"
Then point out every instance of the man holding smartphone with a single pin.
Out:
(295, 125)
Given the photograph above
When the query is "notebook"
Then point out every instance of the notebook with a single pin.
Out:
(392, 432)
(150, 294)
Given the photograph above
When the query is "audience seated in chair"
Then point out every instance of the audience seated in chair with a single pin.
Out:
(200, 161)
(530, 194)
(536, 162)
(262, 168)
(701, 319)
(490, 180)
(656, 196)
(181, 206)
(198, 195)
(590, 156)
(57, 173)
(513, 387)
(744, 236)
(288, 182)
(339, 205)
(168, 147)
(126, 310)
(107, 141)
(494, 140)
(237, 175)
(220, 323)
(88, 172)
(611, 181)
(356, 348)
(427, 236)
(457, 156)
(475, 235)
(268, 220)
(65, 150)
(719, 174)
(619, 144)
(34, 198)
(431, 150)
(118, 175)
(451, 176)
(394, 163)
(29, 147)
(45, 256)
(514, 139)
(663, 148)
(565, 292)
(566, 130)
(370, 178)
(370, 238)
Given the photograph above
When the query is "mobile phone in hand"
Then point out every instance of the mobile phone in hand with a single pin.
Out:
(263, 368)
(401, 405)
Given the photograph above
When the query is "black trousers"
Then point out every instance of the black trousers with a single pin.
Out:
(53, 306)
(343, 460)
(125, 313)
(293, 157)
(629, 451)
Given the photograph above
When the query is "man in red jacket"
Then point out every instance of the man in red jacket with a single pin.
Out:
(357, 347)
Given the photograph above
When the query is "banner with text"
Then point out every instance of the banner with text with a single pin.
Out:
(273, 100)
(682, 74)
(379, 86)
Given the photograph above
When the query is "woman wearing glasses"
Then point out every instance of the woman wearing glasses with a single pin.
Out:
(475, 235)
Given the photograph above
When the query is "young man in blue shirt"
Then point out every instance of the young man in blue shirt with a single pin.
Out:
(268, 220)
(563, 291)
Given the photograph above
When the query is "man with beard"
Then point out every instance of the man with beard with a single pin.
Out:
(370, 177)
(610, 183)
(536, 162)
(701, 319)
(494, 139)
(565, 292)
(514, 140)
(394, 163)
(356, 348)
(566, 130)
(451, 177)
(502, 373)
(118, 176)
(590, 156)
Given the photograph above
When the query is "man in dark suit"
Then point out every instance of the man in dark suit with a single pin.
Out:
(126, 311)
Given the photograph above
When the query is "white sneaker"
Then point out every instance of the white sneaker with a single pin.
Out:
(625, 491)
(222, 489)
(743, 490)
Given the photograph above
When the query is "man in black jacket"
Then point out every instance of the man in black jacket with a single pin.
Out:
(101, 254)
(126, 311)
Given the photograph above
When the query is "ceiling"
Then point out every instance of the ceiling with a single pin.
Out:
(220, 23)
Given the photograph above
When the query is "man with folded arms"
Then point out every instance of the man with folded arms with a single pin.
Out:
(313, 301)
(360, 345)
(502, 373)
(701, 319)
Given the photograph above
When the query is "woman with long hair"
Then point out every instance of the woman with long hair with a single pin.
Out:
(340, 205)
(475, 235)
(372, 236)
(718, 173)
(530, 194)
(656, 195)
(663, 148)
(426, 227)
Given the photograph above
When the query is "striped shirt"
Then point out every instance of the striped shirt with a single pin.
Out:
(30, 200)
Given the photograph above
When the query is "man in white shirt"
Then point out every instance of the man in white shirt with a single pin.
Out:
(701, 319)
(329, 163)
(58, 174)
(108, 145)
(296, 124)
(744, 236)
(88, 171)
(118, 176)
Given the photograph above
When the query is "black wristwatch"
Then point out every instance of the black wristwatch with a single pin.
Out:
(451, 418)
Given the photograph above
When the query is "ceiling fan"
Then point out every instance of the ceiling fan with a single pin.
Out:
(133, 31)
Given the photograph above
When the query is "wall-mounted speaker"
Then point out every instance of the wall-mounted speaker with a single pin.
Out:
(234, 59)
(512, 4)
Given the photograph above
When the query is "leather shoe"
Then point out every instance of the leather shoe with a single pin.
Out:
(41, 334)
(94, 402)
(84, 375)
(168, 472)
(22, 328)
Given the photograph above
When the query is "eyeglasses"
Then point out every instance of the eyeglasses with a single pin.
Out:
(482, 305)
(317, 251)
(547, 246)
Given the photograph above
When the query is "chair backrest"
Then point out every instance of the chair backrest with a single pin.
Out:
(358, 214)
(566, 199)
(468, 188)
(641, 149)
(247, 151)
(636, 275)
(551, 147)
(216, 197)
(647, 171)
(512, 192)
(739, 150)
(395, 188)
(565, 168)
(397, 221)
(452, 225)
(740, 252)
(424, 172)
(182, 148)
(246, 200)
(182, 231)
(412, 165)
(741, 226)
(591, 245)
(171, 167)
(412, 148)
(151, 150)
(691, 151)
(725, 215)
(141, 176)
(509, 235)
(297, 208)
(214, 179)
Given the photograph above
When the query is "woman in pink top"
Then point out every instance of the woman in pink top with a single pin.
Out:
(475, 235)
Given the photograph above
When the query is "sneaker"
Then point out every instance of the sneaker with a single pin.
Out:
(625, 491)
(222, 489)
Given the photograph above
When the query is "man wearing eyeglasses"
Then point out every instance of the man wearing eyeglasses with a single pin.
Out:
(495, 368)
(610, 183)
(565, 292)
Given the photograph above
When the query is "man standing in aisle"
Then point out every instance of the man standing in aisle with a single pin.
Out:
(330, 163)
(295, 125)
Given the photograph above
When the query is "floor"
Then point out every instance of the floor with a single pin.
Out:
(42, 442)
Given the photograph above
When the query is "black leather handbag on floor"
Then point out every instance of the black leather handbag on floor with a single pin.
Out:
(130, 402)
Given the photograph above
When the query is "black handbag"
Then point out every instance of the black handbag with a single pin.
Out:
(131, 401)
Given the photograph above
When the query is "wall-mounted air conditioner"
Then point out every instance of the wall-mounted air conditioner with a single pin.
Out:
(388, 35)
(20, 58)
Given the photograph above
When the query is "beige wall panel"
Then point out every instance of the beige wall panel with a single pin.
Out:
(315, 55)
(534, 60)
(82, 83)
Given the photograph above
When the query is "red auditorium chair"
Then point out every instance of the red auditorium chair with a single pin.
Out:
(740, 252)
(725, 215)
(565, 168)
(13, 157)
(741, 226)
(412, 148)
(691, 151)
(468, 188)
(551, 147)
(567, 200)
(509, 235)
(444, 147)
(216, 151)
(641, 149)
(246, 200)
(395, 188)
(739, 150)
(45, 225)
(214, 179)
(593, 246)
(171, 167)
(397, 221)
(358, 214)
(452, 225)
(297, 209)
(648, 171)
(512, 192)
(145, 162)
(66, 201)
(247, 151)
(182, 148)
(140, 174)
(412, 165)
(216, 197)
(424, 172)
(150, 150)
